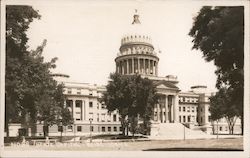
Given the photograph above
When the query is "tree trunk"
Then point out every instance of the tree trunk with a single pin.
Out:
(45, 130)
(127, 129)
(213, 126)
(242, 125)
(7, 128)
(123, 125)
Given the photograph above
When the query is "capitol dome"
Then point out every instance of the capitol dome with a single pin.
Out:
(137, 55)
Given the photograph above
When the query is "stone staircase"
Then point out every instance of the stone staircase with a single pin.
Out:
(176, 131)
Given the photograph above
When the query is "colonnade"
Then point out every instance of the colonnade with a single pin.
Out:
(137, 65)
(82, 110)
(167, 109)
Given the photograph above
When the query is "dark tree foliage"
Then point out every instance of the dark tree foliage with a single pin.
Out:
(31, 94)
(132, 96)
(222, 106)
(219, 33)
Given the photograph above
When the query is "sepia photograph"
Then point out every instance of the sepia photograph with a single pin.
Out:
(124, 78)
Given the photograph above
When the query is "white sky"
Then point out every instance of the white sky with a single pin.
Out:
(86, 37)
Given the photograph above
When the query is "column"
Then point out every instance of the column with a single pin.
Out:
(158, 112)
(87, 109)
(166, 109)
(139, 68)
(176, 108)
(153, 67)
(127, 66)
(122, 67)
(156, 69)
(133, 66)
(73, 108)
(148, 66)
(144, 66)
(83, 110)
(162, 113)
(172, 108)
(117, 68)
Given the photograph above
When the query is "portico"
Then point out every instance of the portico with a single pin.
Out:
(166, 111)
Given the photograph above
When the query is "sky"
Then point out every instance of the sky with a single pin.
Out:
(86, 36)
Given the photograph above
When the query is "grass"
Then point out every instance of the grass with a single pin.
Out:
(234, 144)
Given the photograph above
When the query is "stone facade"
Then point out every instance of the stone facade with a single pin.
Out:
(136, 56)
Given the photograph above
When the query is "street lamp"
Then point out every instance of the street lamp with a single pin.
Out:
(184, 131)
(90, 128)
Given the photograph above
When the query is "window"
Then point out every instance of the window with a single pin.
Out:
(69, 91)
(109, 129)
(60, 128)
(78, 91)
(70, 127)
(91, 128)
(69, 103)
(103, 117)
(184, 118)
(78, 104)
(90, 92)
(189, 119)
(98, 117)
(201, 109)
(220, 128)
(179, 118)
(103, 129)
(78, 116)
(103, 106)
(109, 118)
(114, 118)
(79, 128)
(115, 129)
(120, 128)
(179, 108)
(97, 105)
(184, 108)
(188, 109)
(91, 115)
(91, 104)
(192, 109)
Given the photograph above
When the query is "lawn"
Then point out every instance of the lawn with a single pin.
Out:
(232, 144)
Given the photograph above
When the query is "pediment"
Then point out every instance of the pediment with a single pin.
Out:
(162, 86)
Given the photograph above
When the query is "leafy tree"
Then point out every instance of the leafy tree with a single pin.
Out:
(18, 19)
(31, 92)
(219, 33)
(132, 96)
(222, 107)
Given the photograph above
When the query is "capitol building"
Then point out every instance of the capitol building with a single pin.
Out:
(175, 109)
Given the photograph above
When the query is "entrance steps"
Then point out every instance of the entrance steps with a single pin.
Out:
(177, 131)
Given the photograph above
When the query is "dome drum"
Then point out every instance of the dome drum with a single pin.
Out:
(144, 65)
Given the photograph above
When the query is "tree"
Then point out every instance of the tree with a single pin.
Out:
(31, 92)
(219, 33)
(18, 19)
(132, 96)
(222, 107)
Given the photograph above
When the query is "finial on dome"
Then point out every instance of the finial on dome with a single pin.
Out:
(136, 18)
